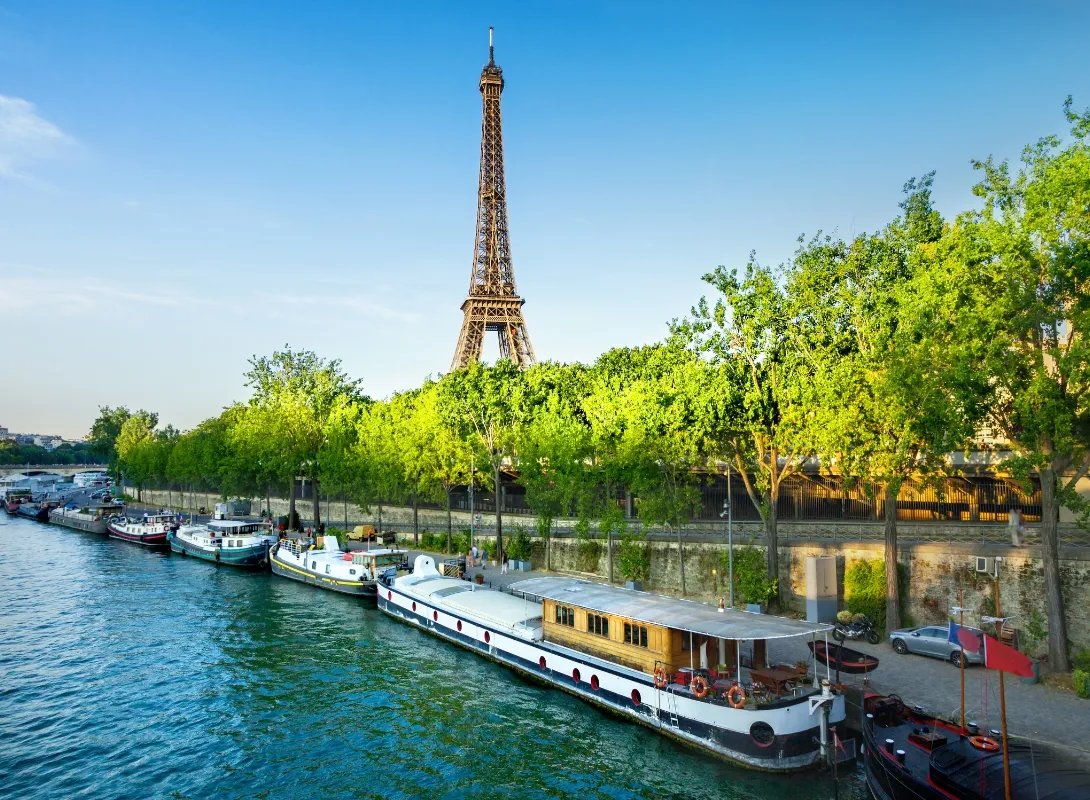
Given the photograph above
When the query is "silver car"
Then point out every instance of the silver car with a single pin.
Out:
(934, 640)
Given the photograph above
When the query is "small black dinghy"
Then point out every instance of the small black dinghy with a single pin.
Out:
(842, 658)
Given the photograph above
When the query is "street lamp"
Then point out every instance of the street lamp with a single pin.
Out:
(729, 514)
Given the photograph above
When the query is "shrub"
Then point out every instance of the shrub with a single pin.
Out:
(1081, 679)
(589, 553)
(633, 557)
(865, 589)
(1082, 660)
(751, 579)
(518, 548)
(844, 616)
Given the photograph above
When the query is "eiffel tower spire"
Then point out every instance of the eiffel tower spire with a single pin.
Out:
(493, 303)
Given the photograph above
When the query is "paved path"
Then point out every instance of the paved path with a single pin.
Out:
(1033, 711)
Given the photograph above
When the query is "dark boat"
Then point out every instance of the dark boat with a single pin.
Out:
(14, 500)
(35, 511)
(908, 754)
(842, 658)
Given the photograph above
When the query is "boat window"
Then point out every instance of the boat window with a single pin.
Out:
(351, 572)
(598, 625)
(314, 565)
(635, 634)
(327, 569)
(565, 616)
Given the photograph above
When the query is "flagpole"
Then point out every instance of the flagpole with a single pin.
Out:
(961, 621)
(1002, 695)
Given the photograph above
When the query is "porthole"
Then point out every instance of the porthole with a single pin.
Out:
(636, 699)
(762, 733)
(541, 662)
(575, 675)
(594, 682)
(435, 616)
(414, 605)
(459, 626)
(487, 638)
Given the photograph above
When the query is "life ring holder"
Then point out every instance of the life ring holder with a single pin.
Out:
(699, 687)
(660, 677)
(736, 696)
(985, 743)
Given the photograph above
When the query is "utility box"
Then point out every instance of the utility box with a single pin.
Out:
(821, 593)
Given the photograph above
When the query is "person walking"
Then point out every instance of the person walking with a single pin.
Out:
(473, 560)
(503, 563)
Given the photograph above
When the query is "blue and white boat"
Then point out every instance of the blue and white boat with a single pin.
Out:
(233, 542)
(643, 656)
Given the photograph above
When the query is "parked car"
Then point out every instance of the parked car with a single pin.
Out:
(934, 640)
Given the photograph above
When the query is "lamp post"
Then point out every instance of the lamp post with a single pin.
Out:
(472, 475)
(728, 512)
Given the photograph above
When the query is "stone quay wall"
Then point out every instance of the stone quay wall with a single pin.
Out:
(939, 557)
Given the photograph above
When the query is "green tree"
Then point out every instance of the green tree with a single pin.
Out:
(890, 406)
(485, 405)
(104, 432)
(295, 393)
(761, 417)
(1024, 291)
(135, 448)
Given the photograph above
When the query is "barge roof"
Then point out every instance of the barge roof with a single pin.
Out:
(497, 607)
(668, 612)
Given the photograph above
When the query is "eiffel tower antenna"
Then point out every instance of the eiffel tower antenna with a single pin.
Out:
(493, 302)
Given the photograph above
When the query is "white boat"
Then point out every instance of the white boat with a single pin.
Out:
(329, 567)
(639, 655)
(151, 530)
(235, 542)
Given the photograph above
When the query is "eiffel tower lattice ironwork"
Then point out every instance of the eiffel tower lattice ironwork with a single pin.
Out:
(493, 303)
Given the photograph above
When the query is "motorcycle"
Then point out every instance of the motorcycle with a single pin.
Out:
(859, 628)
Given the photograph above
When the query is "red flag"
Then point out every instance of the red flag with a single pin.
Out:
(964, 637)
(998, 656)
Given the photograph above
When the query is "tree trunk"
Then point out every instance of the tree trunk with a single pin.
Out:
(317, 510)
(268, 502)
(416, 522)
(609, 545)
(1050, 557)
(681, 559)
(450, 523)
(893, 590)
(499, 510)
(380, 519)
(773, 543)
(345, 499)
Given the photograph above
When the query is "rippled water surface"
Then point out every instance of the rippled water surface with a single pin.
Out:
(135, 674)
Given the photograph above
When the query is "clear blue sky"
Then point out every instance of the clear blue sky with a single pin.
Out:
(186, 184)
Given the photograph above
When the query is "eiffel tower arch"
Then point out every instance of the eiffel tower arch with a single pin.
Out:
(493, 303)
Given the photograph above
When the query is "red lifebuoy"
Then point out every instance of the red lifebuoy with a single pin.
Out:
(736, 696)
(699, 687)
(660, 677)
(986, 743)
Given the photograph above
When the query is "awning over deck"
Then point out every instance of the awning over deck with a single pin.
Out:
(668, 612)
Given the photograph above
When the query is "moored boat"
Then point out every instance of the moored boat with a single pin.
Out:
(643, 656)
(150, 531)
(909, 755)
(233, 542)
(843, 659)
(93, 519)
(354, 573)
(14, 498)
(35, 511)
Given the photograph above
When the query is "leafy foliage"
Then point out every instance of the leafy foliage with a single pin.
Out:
(751, 581)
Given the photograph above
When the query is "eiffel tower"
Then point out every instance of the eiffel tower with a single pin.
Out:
(493, 303)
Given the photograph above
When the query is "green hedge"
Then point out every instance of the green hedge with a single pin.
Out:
(1081, 680)
(865, 589)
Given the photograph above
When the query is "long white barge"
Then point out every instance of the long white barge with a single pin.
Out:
(641, 655)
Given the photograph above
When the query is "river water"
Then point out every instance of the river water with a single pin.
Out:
(128, 673)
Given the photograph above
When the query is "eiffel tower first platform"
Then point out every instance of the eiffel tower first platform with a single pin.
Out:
(493, 303)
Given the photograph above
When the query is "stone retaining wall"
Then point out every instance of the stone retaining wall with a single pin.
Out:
(939, 557)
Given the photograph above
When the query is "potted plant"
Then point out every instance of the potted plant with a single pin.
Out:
(751, 579)
(518, 552)
(1033, 633)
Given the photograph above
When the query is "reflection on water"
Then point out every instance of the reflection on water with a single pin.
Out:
(137, 674)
